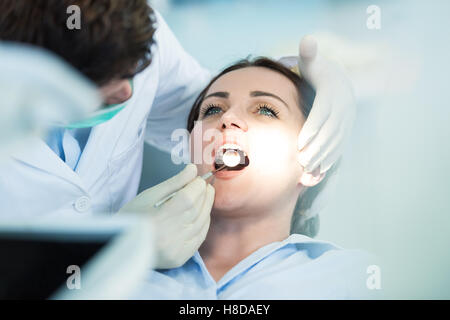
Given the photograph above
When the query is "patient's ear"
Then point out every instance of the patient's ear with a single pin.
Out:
(311, 179)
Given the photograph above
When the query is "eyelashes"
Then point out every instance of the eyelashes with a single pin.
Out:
(261, 109)
(209, 110)
(265, 109)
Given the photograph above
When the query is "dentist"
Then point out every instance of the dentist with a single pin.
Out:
(148, 84)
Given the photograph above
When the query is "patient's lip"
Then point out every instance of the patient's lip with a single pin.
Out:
(226, 175)
(232, 138)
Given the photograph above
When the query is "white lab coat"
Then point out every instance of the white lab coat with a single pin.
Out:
(36, 182)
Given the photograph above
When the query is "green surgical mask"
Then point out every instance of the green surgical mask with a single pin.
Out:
(101, 116)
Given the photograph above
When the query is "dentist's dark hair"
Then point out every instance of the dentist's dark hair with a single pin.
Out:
(113, 42)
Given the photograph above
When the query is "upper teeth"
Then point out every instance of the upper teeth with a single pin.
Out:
(225, 150)
(230, 146)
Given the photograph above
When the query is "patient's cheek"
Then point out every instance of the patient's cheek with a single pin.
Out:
(273, 152)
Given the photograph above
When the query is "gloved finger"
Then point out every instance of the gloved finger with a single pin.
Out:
(172, 254)
(332, 151)
(318, 70)
(186, 198)
(336, 151)
(195, 230)
(192, 239)
(192, 214)
(203, 233)
(332, 157)
(204, 214)
(319, 114)
(334, 134)
(173, 184)
(198, 238)
(308, 49)
(209, 202)
(320, 144)
(198, 231)
(313, 67)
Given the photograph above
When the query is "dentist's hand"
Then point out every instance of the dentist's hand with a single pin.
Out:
(181, 223)
(330, 121)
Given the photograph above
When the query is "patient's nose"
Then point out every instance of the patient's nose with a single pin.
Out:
(231, 120)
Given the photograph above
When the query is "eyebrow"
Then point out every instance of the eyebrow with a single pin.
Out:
(226, 95)
(219, 94)
(267, 94)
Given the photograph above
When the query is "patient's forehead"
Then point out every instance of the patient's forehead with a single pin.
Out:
(242, 81)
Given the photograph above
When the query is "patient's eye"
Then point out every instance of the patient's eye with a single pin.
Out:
(209, 110)
(265, 110)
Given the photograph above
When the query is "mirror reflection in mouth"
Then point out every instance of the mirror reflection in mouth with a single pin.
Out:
(235, 159)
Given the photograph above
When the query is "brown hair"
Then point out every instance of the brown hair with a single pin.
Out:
(114, 41)
(305, 92)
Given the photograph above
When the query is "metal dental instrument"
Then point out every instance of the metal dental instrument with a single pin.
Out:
(204, 177)
(211, 173)
(229, 159)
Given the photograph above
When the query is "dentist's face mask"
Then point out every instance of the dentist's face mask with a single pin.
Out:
(103, 115)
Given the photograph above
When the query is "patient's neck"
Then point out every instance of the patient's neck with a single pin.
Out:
(231, 239)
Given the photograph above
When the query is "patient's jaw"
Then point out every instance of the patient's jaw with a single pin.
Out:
(257, 109)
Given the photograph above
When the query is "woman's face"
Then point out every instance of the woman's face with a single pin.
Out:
(257, 109)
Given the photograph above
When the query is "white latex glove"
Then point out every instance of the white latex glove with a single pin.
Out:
(182, 222)
(330, 121)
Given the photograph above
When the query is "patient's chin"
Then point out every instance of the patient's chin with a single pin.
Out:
(228, 203)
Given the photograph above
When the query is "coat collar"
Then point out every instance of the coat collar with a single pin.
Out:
(93, 161)
(38, 155)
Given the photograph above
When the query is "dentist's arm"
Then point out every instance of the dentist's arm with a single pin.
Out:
(329, 124)
(181, 79)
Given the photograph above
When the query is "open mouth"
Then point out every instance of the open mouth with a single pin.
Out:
(232, 156)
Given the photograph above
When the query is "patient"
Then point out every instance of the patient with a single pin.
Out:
(250, 251)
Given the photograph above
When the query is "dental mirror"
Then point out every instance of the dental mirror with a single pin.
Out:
(230, 159)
